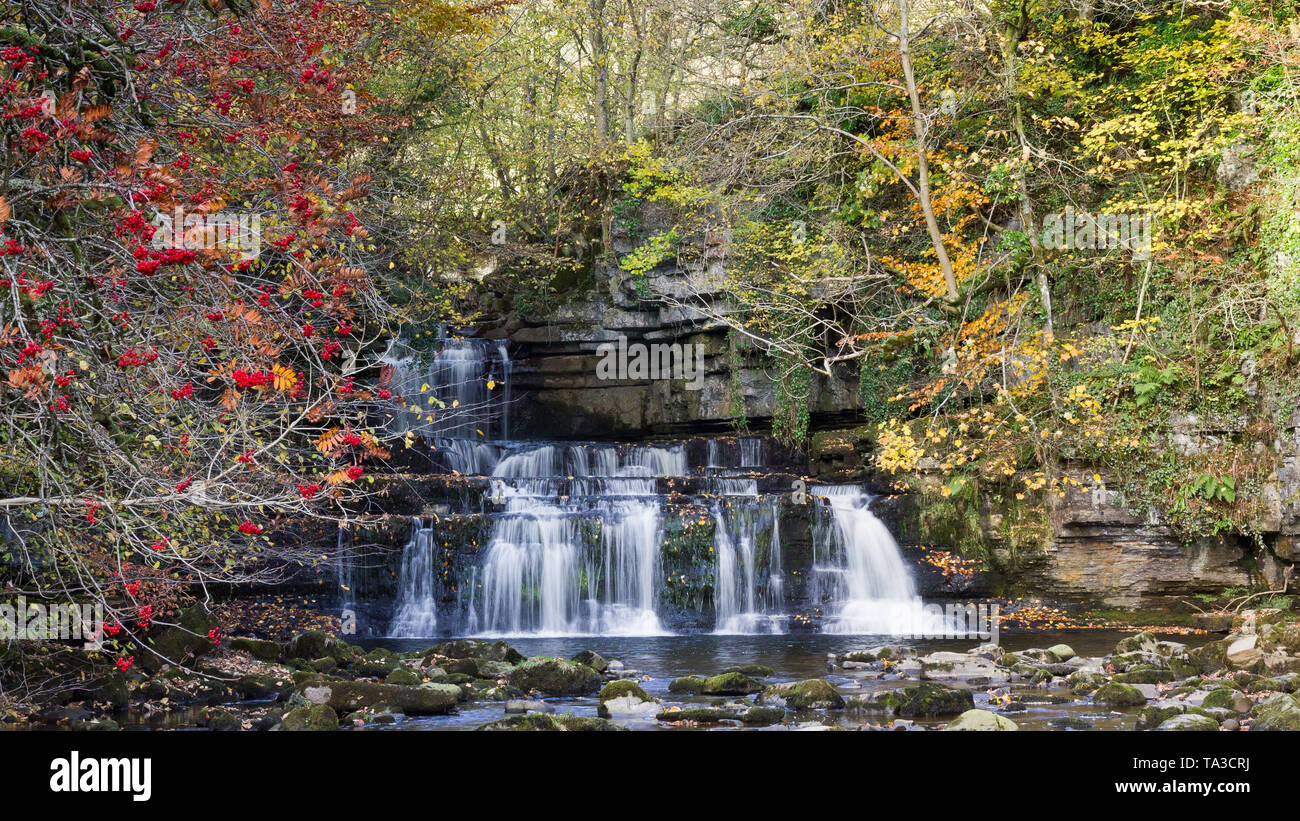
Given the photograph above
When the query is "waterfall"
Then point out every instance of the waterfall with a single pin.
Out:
(417, 604)
(862, 572)
(450, 397)
(578, 529)
(576, 550)
(748, 592)
(746, 452)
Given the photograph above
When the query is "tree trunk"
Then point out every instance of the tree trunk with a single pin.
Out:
(922, 161)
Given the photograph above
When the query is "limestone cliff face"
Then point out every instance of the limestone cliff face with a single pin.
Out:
(560, 391)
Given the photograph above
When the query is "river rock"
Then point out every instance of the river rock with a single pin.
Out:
(813, 694)
(318, 717)
(981, 720)
(731, 684)
(403, 676)
(594, 660)
(1281, 712)
(701, 715)
(1243, 652)
(1189, 721)
(626, 699)
(763, 716)
(259, 649)
(347, 696)
(476, 648)
(686, 684)
(926, 699)
(555, 677)
(316, 644)
(1063, 652)
(1116, 695)
(521, 706)
(940, 666)
(546, 722)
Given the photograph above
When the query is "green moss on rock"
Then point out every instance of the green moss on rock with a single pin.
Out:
(547, 722)
(981, 720)
(686, 684)
(555, 677)
(347, 696)
(618, 689)
(403, 676)
(1118, 695)
(813, 694)
(318, 717)
(731, 684)
(1281, 712)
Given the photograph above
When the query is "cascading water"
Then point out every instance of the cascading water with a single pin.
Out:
(577, 548)
(417, 603)
(578, 533)
(454, 396)
(749, 593)
(860, 570)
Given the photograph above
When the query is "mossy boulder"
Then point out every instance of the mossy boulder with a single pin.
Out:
(1144, 642)
(1154, 715)
(931, 699)
(1189, 721)
(183, 643)
(317, 717)
(731, 684)
(260, 649)
(686, 684)
(860, 656)
(758, 670)
(220, 720)
(549, 722)
(592, 659)
(625, 699)
(1116, 694)
(476, 648)
(555, 677)
(480, 668)
(348, 696)
(813, 694)
(701, 715)
(1281, 712)
(981, 720)
(763, 716)
(403, 676)
(1211, 657)
(258, 687)
(1224, 697)
(1081, 682)
(621, 688)
(928, 699)
(1064, 652)
(316, 644)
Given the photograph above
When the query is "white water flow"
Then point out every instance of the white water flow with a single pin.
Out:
(576, 550)
(462, 393)
(580, 536)
(748, 592)
(860, 568)
(416, 614)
